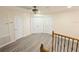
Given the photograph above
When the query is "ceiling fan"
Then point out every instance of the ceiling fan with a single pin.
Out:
(35, 10)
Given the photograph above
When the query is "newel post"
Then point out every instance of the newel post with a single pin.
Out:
(52, 41)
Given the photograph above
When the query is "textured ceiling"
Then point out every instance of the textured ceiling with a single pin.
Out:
(52, 9)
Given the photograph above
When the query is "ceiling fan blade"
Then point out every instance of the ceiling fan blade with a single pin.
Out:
(26, 7)
(34, 7)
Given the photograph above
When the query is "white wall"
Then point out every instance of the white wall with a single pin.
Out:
(8, 18)
(67, 23)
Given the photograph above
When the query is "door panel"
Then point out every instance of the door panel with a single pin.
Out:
(4, 31)
(19, 27)
(47, 25)
(41, 24)
(37, 25)
(12, 31)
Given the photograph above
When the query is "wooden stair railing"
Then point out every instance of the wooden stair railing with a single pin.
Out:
(61, 43)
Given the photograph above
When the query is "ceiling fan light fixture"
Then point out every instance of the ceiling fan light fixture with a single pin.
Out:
(35, 10)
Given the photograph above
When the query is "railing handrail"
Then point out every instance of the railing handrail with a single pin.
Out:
(65, 37)
(55, 33)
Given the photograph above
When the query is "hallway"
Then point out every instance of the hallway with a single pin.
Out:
(30, 43)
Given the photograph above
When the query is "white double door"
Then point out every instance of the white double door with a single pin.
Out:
(41, 24)
(6, 30)
(19, 27)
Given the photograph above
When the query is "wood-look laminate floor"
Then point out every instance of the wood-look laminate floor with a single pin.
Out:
(30, 43)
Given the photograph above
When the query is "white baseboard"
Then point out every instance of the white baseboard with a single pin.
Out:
(7, 43)
(11, 41)
(23, 36)
(6, 35)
